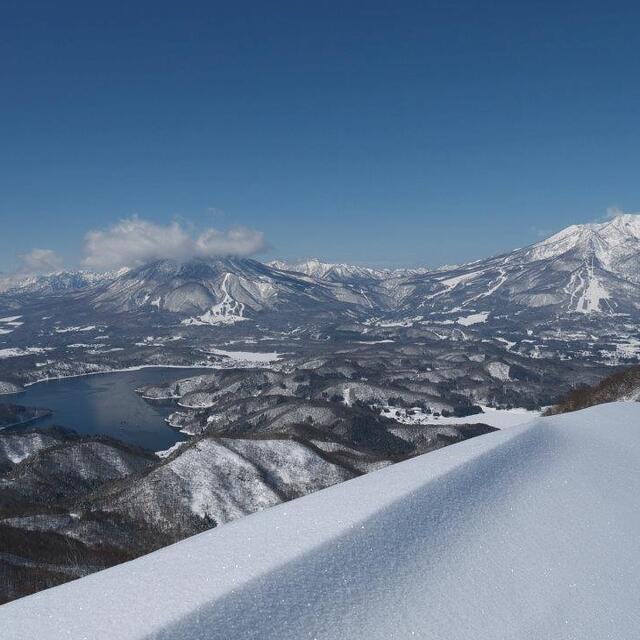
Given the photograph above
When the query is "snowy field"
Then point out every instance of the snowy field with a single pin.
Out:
(526, 533)
(498, 418)
(246, 356)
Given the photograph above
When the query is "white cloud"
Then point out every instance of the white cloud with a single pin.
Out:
(39, 261)
(134, 241)
(237, 241)
(614, 212)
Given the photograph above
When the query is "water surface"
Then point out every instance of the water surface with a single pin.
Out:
(107, 404)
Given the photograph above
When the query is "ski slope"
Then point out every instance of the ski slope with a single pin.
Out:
(528, 533)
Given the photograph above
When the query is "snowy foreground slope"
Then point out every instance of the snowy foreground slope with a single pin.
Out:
(532, 532)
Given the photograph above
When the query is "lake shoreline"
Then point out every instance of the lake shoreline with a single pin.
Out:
(110, 405)
(124, 370)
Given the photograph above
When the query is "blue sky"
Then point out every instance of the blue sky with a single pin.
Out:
(388, 133)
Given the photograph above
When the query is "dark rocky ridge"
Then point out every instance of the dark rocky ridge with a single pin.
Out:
(622, 385)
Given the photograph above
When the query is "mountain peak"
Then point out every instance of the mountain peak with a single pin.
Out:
(626, 224)
(316, 268)
(610, 242)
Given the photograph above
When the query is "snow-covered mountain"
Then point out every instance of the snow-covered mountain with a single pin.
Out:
(59, 282)
(525, 533)
(342, 272)
(335, 272)
(588, 271)
(220, 291)
(614, 245)
(584, 269)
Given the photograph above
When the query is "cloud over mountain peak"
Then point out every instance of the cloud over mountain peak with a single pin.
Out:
(134, 241)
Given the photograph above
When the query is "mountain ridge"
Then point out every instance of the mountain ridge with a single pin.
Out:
(590, 269)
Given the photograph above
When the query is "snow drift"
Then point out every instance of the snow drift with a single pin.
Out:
(531, 532)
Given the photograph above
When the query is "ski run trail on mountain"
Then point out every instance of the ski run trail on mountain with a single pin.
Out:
(526, 533)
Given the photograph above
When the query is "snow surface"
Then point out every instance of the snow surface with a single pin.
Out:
(323, 270)
(526, 533)
(588, 294)
(17, 352)
(498, 418)
(453, 282)
(247, 356)
(8, 388)
(610, 243)
(91, 327)
(474, 318)
(227, 311)
(9, 324)
(499, 370)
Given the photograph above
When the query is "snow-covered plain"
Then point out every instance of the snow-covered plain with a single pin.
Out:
(17, 352)
(9, 324)
(474, 318)
(498, 418)
(526, 533)
(247, 356)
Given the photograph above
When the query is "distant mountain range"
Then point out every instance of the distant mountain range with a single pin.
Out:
(340, 272)
(589, 268)
(584, 269)
(53, 283)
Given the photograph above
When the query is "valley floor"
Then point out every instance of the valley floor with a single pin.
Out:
(531, 532)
